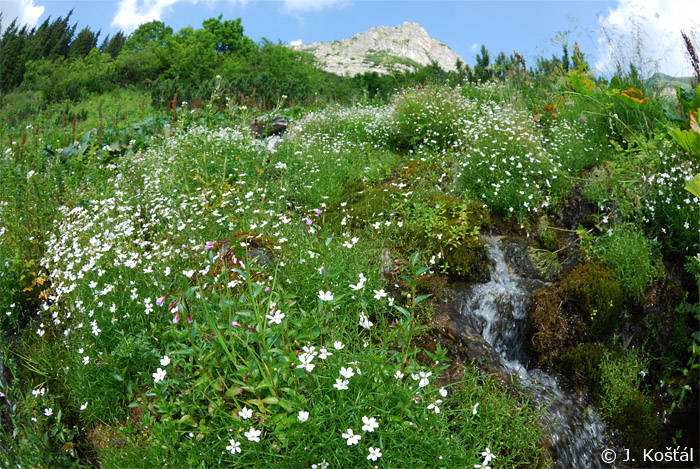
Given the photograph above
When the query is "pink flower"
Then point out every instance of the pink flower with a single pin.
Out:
(209, 245)
(176, 318)
(160, 301)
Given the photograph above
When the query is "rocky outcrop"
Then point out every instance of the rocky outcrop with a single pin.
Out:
(383, 50)
(263, 126)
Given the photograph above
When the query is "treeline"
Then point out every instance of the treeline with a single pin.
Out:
(193, 63)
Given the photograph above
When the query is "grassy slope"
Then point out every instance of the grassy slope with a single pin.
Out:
(151, 256)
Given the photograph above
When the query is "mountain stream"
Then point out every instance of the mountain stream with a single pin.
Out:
(498, 310)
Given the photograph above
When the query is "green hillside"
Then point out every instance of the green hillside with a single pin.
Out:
(177, 290)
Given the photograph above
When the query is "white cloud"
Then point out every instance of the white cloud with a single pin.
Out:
(24, 10)
(132, 13)
(298, 42)
(474, 47)
(647, 33)
(303, 6)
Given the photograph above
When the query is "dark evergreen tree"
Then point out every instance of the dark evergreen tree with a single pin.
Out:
(482, 70)
(113, 46)
(12, 45)
(83, 43)
(51, 40)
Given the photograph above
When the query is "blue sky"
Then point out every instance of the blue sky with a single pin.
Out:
(645, 31)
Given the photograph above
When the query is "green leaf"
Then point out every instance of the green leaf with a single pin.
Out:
(404, 311)
(693, 186)
(420, 298)
(286, 405)
(271, 400)
(117, 377)
(233, 391)
(690, 99)
(687, 140)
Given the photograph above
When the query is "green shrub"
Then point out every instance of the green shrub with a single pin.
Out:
(623, 405)
(633, 258)
(673, 211)
(428, 116)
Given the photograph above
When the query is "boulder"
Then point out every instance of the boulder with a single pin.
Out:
(264, 126)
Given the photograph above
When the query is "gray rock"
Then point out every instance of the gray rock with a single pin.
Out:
(465, 344)
(518, 259)
(383, 50)
(263, 126)
(263, 256)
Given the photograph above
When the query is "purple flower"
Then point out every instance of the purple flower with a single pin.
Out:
(319, 212)
(235, 324)
(209, 245)
(267, 289)
(309, 222)
(176, 318)
(160, 301)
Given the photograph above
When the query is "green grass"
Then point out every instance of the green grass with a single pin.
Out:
(152, 293)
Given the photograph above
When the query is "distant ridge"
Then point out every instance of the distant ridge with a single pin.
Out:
(662, 80)
(667, 84)
(383, 49)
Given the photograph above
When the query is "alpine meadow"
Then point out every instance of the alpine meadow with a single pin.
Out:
(215, 253)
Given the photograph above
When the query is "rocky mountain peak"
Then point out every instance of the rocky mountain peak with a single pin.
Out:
(383, 49)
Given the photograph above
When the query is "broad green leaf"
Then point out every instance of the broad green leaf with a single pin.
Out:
(687, 139)
(690, 99)
(693, 186)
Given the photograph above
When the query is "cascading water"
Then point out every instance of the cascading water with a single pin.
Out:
(498, 310)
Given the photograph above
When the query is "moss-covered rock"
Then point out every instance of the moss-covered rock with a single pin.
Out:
(583, 307)
(596, 297)
(468, 262)
(581, 365)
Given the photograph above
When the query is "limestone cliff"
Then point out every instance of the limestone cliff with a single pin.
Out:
(382, 49)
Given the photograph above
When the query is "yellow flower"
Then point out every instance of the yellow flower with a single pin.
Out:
(635, 95)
